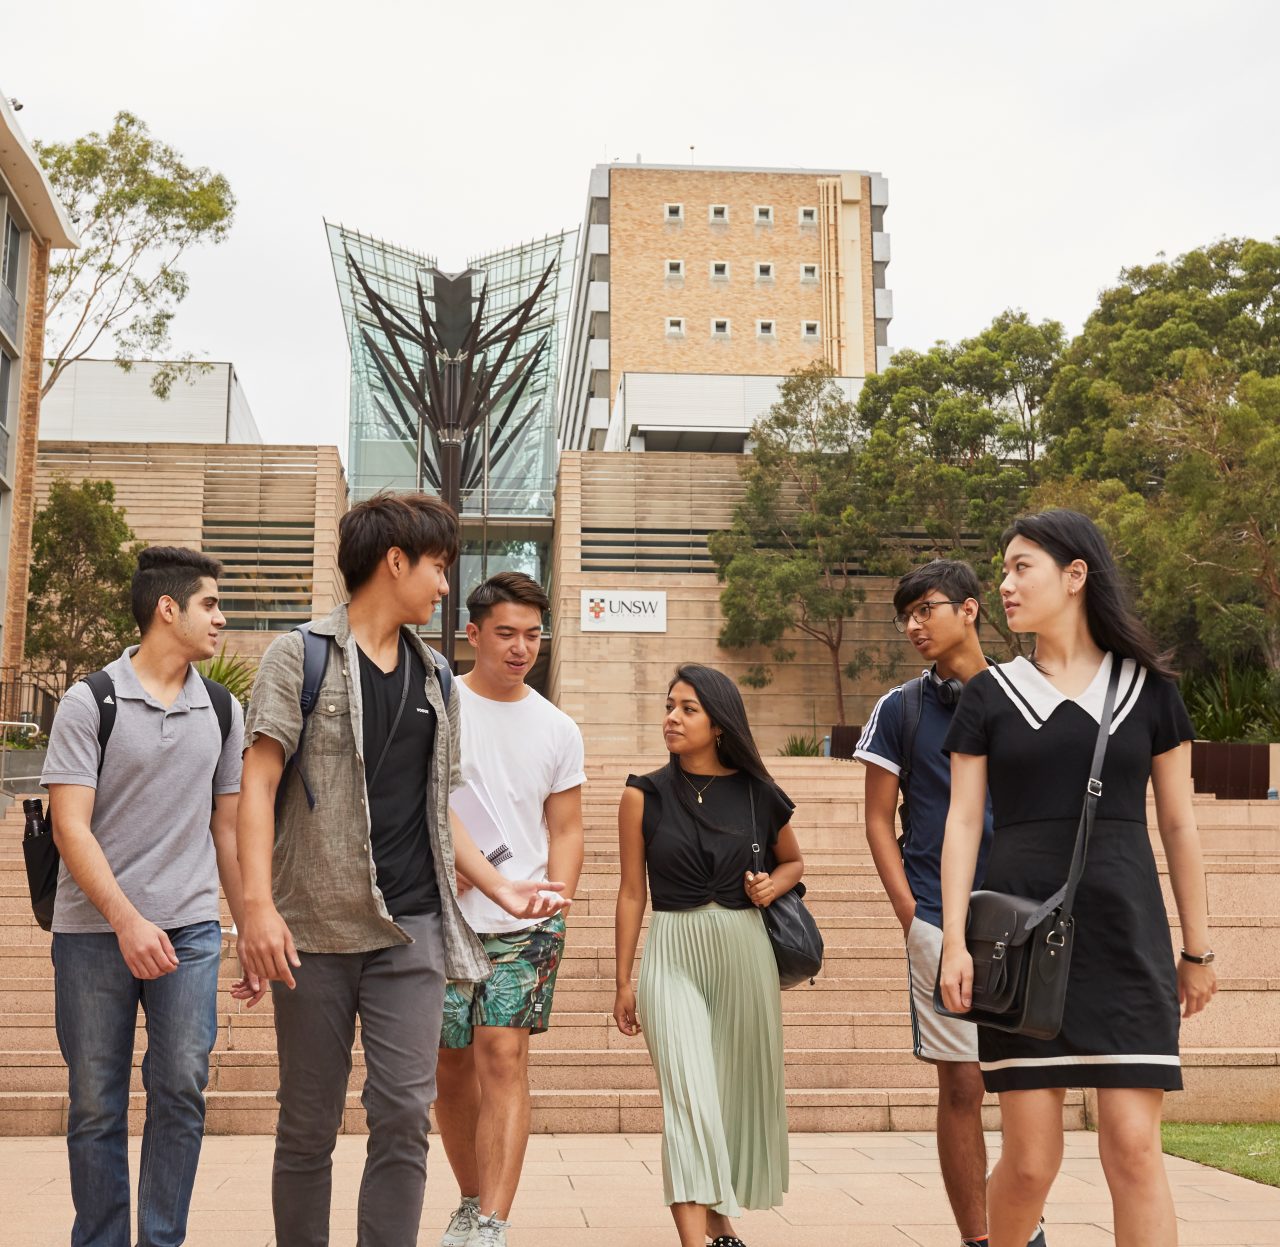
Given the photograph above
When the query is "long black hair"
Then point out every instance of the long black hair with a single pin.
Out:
(722, 702)
(1113, 624)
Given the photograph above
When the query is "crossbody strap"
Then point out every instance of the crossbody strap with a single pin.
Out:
(1064, 898)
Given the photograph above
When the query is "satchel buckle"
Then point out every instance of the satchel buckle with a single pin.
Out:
(997, 954)
(1056, 938)
(1095, 787)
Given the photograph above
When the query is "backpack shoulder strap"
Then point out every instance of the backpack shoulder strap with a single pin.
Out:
(220, 696)
(444, 673)
(912, 710)
(104, 693)
(315, 658)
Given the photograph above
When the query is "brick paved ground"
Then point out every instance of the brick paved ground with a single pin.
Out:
(847, 1190)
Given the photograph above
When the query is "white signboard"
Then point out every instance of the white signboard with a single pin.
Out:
(629, 610)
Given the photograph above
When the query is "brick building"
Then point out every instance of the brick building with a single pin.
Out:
(697, 290)
(32, 223)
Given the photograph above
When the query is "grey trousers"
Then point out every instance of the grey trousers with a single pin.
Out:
(398, 995)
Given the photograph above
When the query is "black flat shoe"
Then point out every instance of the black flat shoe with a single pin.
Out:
(727, 1240)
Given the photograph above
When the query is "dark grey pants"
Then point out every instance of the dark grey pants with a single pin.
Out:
(398, 995)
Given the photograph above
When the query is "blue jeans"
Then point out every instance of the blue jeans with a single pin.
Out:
(96, 1002)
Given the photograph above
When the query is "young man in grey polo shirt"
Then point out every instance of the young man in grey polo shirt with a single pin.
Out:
(351, 904)
(136, 919)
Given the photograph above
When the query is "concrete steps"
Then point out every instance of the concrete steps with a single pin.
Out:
(847, 1037)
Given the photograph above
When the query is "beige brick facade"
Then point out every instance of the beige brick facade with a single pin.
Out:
(610, 510)
(643, 295)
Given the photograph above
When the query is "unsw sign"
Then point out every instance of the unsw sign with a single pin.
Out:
(625, 611)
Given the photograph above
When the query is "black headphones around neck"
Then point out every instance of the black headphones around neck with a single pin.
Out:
(948, 690)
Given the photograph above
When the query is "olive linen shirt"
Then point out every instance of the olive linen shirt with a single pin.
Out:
(323, 877)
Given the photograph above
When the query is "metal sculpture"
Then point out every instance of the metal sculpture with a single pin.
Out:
(441, 386)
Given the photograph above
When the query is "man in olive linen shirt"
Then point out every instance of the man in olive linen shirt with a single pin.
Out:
(350, 903)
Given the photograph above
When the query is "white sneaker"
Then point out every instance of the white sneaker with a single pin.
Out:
(491, 1232)
(463, 1224)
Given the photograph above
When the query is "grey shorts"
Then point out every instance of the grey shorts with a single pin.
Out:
(933, 1037)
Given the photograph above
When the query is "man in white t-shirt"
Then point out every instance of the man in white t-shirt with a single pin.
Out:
(522, 763)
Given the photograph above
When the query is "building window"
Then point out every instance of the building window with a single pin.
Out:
(675, 326)
(718, 214)
(764, 329)
(764, 271)
(6, 367)
(675, 268)
(12, 238)
(808, 216)
(764, 214)
(673, 214)
(719, 270)
(808, 273)
(810, 330)
(720, 328)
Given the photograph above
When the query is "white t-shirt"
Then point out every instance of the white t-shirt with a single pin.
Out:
(518, 753)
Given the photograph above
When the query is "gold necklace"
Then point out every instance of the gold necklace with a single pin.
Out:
(695, 787)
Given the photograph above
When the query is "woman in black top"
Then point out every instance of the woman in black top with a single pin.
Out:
(1027, 730)
(709, 999)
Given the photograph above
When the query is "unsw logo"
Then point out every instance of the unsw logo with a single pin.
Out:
(595, 607)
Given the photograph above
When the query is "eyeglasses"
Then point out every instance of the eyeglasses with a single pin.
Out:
(920, 612)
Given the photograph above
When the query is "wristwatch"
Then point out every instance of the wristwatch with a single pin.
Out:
(1203, 959)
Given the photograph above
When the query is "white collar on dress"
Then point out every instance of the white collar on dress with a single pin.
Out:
(1036, 698)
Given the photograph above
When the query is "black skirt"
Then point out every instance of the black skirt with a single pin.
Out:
(1120, 1028)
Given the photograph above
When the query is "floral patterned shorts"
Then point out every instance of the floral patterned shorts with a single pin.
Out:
(517, 994)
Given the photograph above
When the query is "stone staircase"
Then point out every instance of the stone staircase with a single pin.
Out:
(848, 1062)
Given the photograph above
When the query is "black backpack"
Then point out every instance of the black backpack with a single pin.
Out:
(912, 709)
(38, 848)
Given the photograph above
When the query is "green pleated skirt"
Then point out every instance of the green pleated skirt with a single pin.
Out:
(711, 1012)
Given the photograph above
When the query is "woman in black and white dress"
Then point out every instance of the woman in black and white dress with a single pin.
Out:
(1027, 730)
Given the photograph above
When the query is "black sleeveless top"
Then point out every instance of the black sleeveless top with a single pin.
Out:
(690, 864)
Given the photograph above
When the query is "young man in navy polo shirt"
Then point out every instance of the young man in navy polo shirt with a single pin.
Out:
(937, 607)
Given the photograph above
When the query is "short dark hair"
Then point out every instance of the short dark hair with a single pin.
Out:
(954, 577)
(168, 572)
(418, 524)
(506, 587)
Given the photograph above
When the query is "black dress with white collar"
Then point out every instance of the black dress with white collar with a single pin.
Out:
(1121, 1025)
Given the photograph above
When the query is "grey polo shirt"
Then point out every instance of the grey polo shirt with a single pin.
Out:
(151, 813)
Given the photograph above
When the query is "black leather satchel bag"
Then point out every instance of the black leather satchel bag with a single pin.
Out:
(1021, 948)
(797, 942)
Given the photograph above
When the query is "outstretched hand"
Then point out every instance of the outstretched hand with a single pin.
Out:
(531, 898)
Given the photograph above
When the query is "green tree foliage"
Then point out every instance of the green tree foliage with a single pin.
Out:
(83, 559)
(1222, 300)
(954, 439)
(802, 533)
(138, 207)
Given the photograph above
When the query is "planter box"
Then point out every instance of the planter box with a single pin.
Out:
(1232, 772)
(22, 768)
(844, 739)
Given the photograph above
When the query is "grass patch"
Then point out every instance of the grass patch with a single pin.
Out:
(1252, 1151)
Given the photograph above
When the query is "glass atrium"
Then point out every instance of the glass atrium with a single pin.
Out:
(507, 503)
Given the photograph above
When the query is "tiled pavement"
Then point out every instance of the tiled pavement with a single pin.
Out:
(847, 1190)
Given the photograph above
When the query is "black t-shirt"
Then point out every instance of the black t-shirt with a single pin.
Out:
(398, 797)
(690, 864)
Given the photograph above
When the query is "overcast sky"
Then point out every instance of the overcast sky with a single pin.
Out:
(1031, 150)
